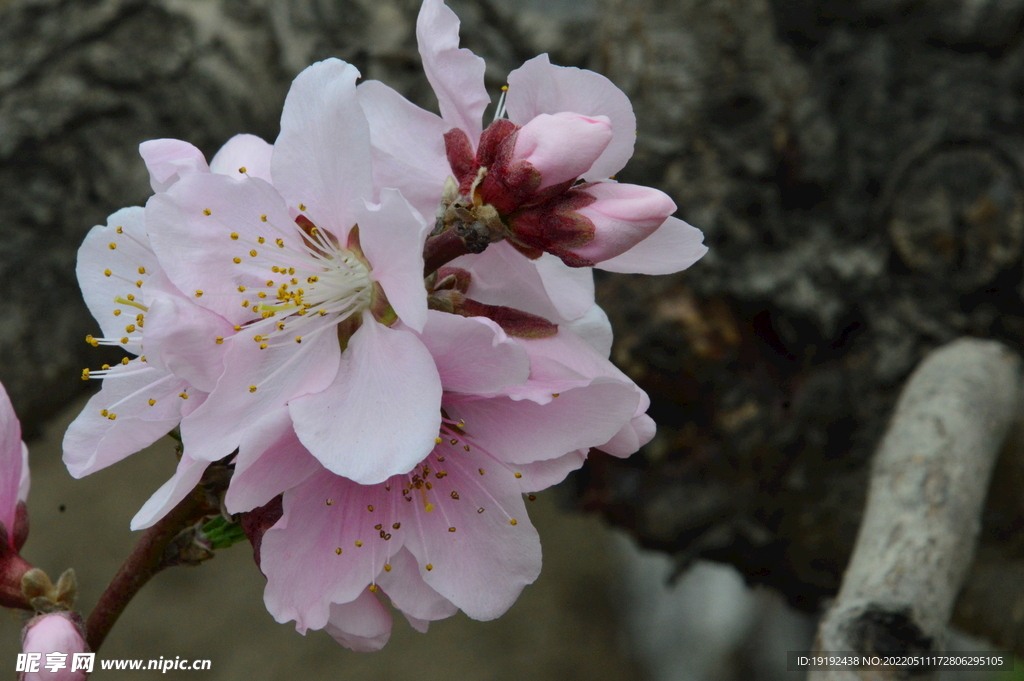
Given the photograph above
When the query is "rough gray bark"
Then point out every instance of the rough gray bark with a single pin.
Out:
(923, 512)
(855, 164)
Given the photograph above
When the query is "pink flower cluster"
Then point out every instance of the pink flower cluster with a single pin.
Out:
(386, 319)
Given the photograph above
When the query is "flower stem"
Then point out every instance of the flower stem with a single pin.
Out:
(12, 568)
(441, 249)
(150, 556)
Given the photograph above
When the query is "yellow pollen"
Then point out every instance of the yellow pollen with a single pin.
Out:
(257, 338)
(219, 340)
(274, 269)
(234, 236)
(112, 417)
(242, 170)
(261, 294)
(103, 412)
(142, 270)
(479, 510)
(130, 328)
(253, 253)
(85, 374)
(322, 312)
(302, 206)
(370, 508)
(152, 402)
(142, 359)
(107, 273)
(338, 550)
(117, 313)
(241, 289)
(120, 230)
(555, 394)
(387, 568)
(377, 526)
(429, 567)
(261, 240)
(113, 245)
(236, 260)
(437, 441)
(183, 396)
(263, 217)
(263, 346)
(124, 361)
(358, 543)
(519, 475)
(451, 529)
(531, 497)
(466, 447)
(138, 284)
(199, 294)
(238, 327)
(105, 367)
(298, 339)
(207, 211)
(373, 588)
(462, 423)
(279, 242)
(245, 303)
(513, 522)
(455, 495)
(280, 326)
(291, 270)
(454, 441)
(504, 88)
(252, 388)
(130, 296)
(396, 526)
(481, 471)
(270, 282)
(123, 341)
(429, 507)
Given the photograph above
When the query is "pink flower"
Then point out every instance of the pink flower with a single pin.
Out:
(14, 478)
(56, 637)
(285, 266)
(563, 124)
(453, 533)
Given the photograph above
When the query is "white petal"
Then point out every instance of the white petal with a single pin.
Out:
(185, 478)
(363, 625)
(244, 151)
(473, 355)
(672, 247)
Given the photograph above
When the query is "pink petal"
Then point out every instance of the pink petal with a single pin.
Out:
(538, 87)
(270, 460)
(191, 228)
(409, 593)
(180, 338)
(94, 441)
(130, 253)
(484, 564)
(595, 329)
(540, 475)
(392, 235)
(386, 377)
(362, 625)
(672, 247)
(54, 633)
(457, 75)
(13, 466)
(631, 437)
(473, 355)
(571, 289)
(562, 147)
(623, 215)
(322, 156)
(185, 478)
(168, 160)
(280, 373)
(408, 145)
(524, 431)
(299, 555)
(244, 151)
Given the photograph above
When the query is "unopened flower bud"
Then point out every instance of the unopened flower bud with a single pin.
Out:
(562, 146)
(623, 215)
(56, 637)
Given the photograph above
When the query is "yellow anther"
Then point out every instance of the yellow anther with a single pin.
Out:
(513, 522)
(438, 441)
(130, 328)
(234, 236)
(107, 273)
(428, 508)
(338, 550)
(261, 294)
(302, 206)
(119, 230)
(103, 412)
(519, 475)
(453, 441)
(329, 502)
(263, 346)
(387, 568)
(480, 510)
(370, 508)
(429, 567)
(263, 217)
(130, 297)
(199, 294)
(531, 497)
(258, 337)
(261, 240)
(183, 396)
(298, 339)
(455, 495)
(236, 260)
(462, 423)
(358, 543)
(241, 289)
(123, 341)
(280, 326)
(279, 242)
(85, 374)
(219, 340)
(105, 367)
(253, 253)
(138, 284)
(112, 417)
(481, 470)
(504, 88)
(142, 359)
(451, 529)
(555, 394)
(252, 388)
(322, 312)
(117, 313)
(238, 327)
(124, 361)
(291, 270)
(207, 211)
(245, 303)
(112, 245)
(152, 402)
(373, 588)
(396, 526)
(242, 170)
(466, 447)
(142, 270)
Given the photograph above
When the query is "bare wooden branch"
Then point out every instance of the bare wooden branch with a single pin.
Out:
(928, 484)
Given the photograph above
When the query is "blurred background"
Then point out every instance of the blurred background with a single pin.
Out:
(856, 166)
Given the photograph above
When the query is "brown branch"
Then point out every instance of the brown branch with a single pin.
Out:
(920, 528)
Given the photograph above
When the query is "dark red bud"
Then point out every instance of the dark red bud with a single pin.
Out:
(493, 140)
(20, 525)
(509, 186)
(460, 155)
(514, 322)
(453, 278)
